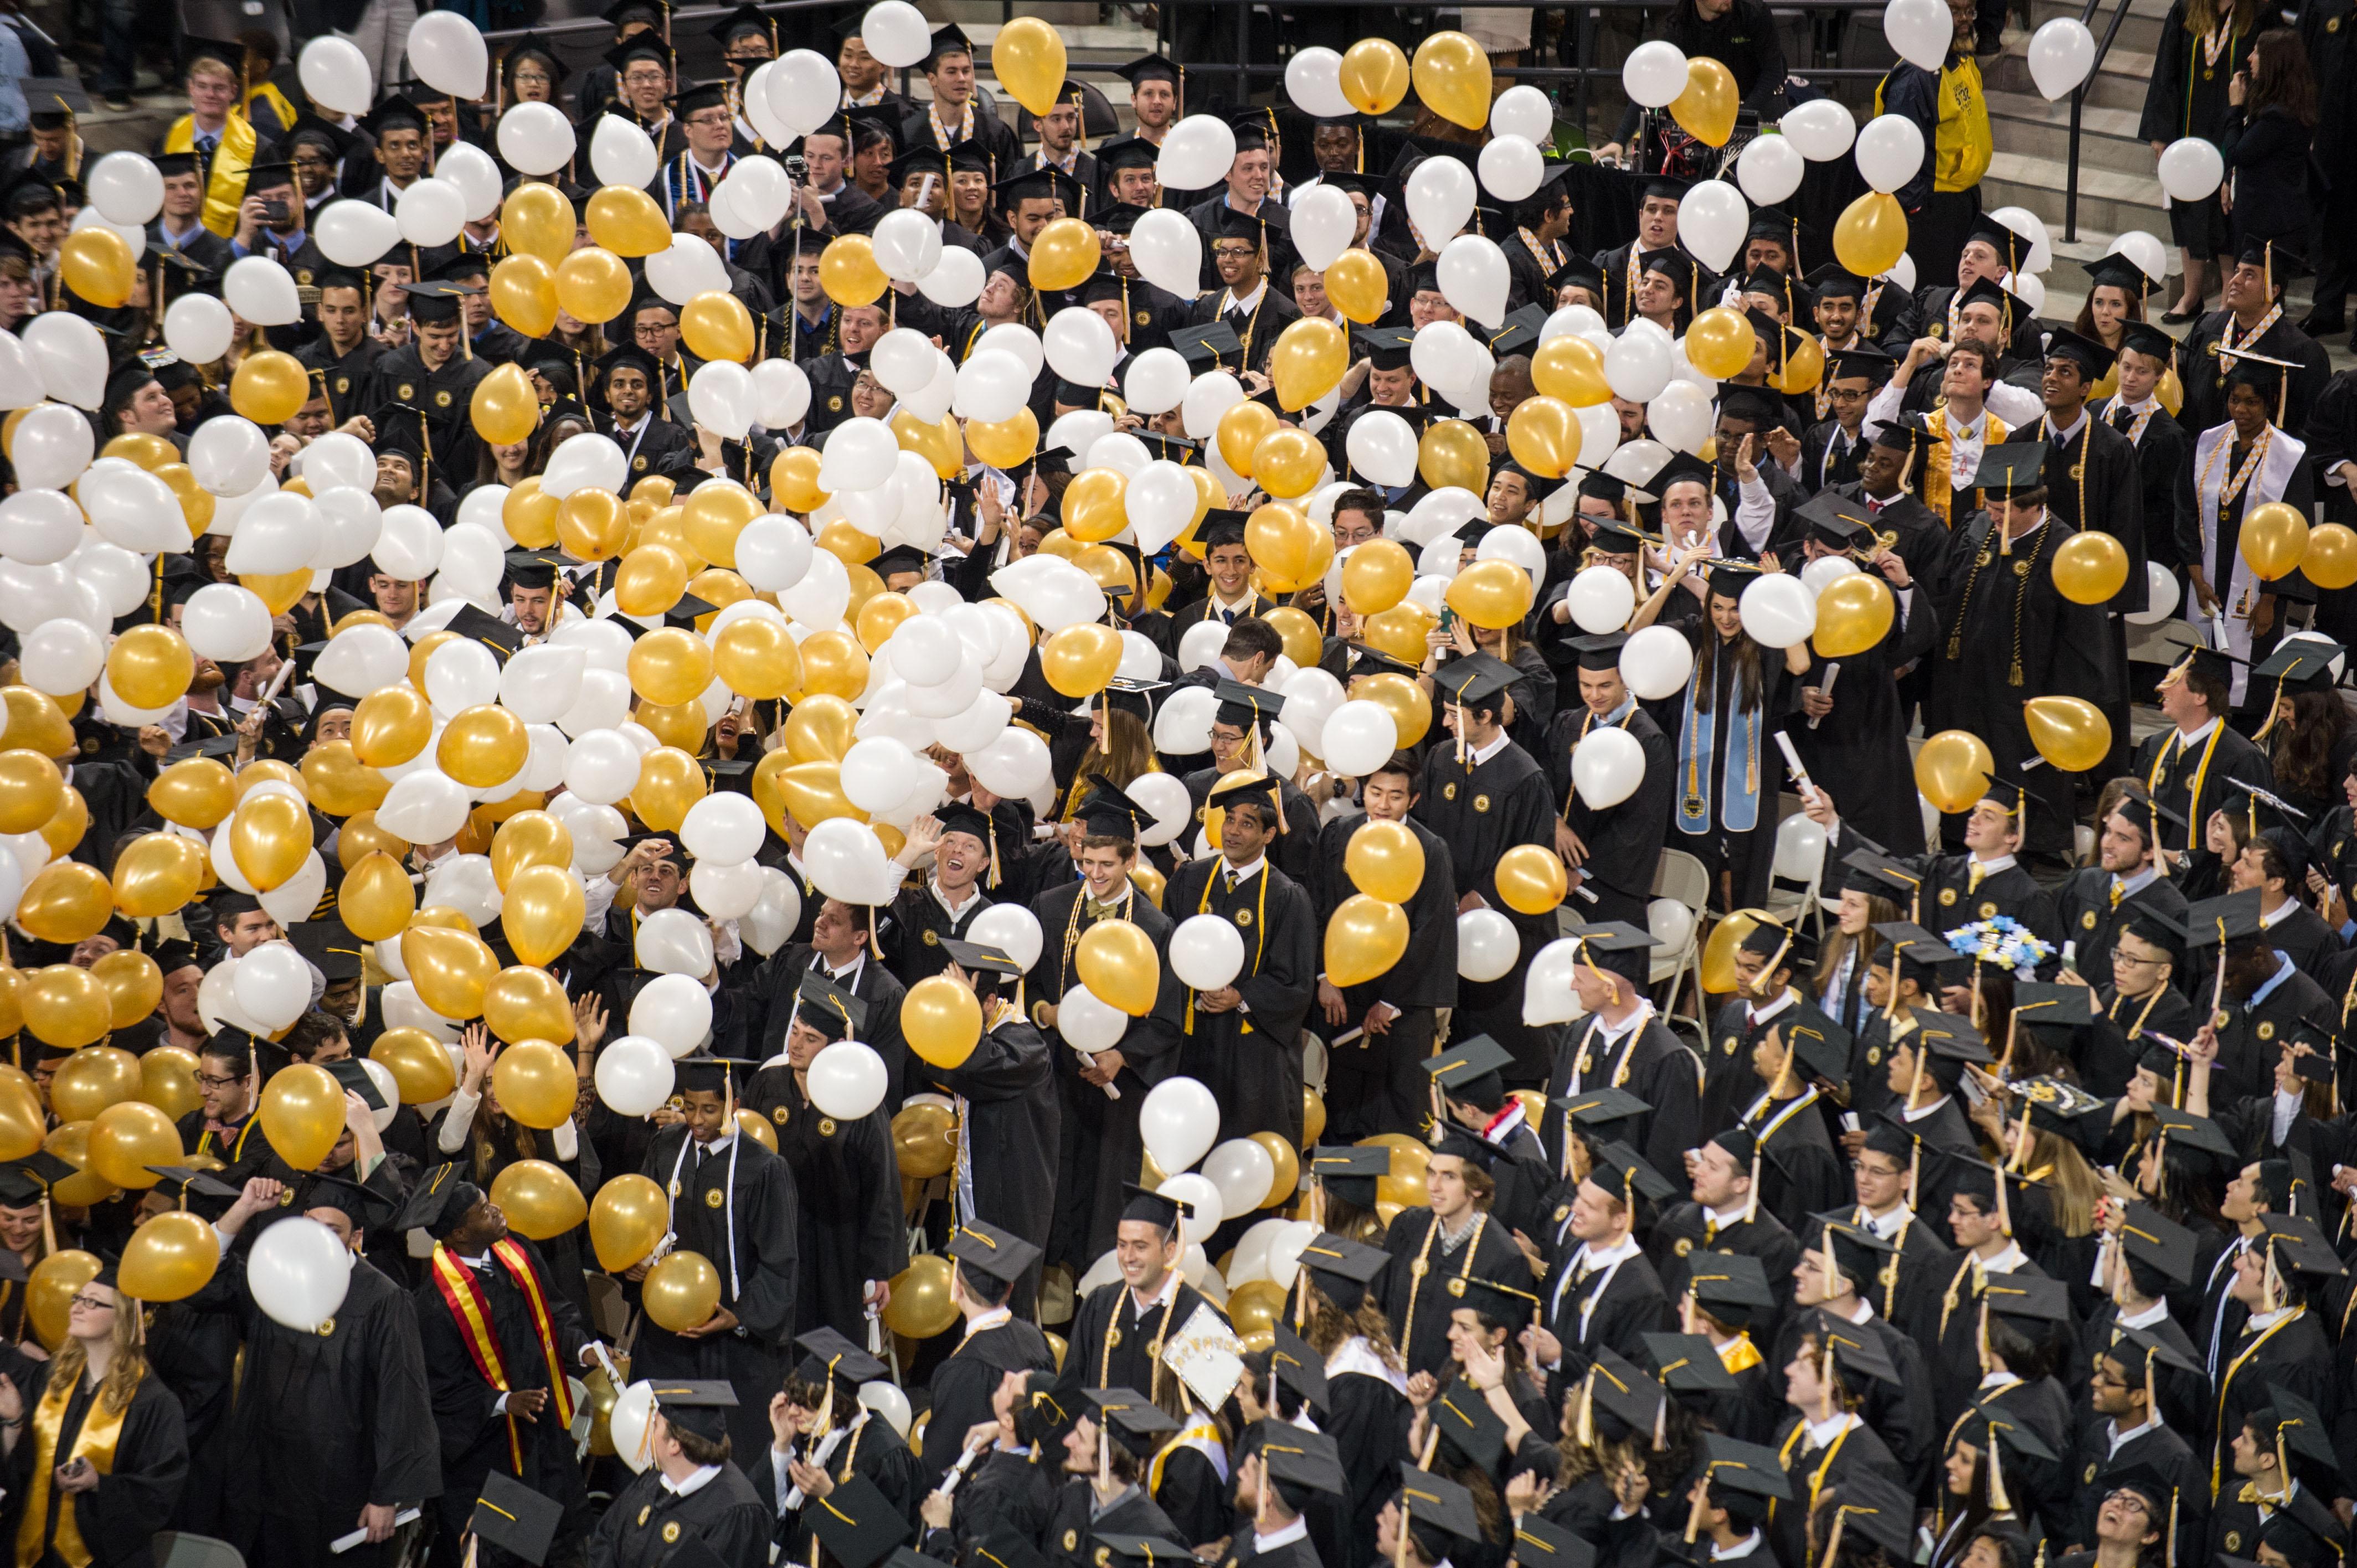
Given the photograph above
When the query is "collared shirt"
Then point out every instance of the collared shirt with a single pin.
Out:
(1481, 754)
(703, 1477)
(1230, 303)
(2005, 1262)
(1759, 1016)
(2260, 1322)
(2144, 1318)
(1890, 1224)
(2072, 434)
(2188, 739)
(2116, 1437)
(1991, 866)
(1239, 873)
(1745, 1548)
(2129, 887)
(1265, 1543)
(955, 911)
(1822, 1432)
(1160, 1297)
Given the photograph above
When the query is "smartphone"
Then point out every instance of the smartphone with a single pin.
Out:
(1448, 620)
(274, 213)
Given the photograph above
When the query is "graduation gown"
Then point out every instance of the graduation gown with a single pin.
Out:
(1726, 767)
(2209, 531)
(1901, 1412)
(1425, 1280)
(1624, 264)
(2162, 447)
(1373, 1082)
(1865, 735)
(1481, 809)
(2253, 1031)
(1685, 1228)
(777, 985)
(1624, 841)
(1368, 1416)
(1651, 1063)
(143, 1464)
(1295, 849)
(1615, 1306)
(643, 1524)
(1250, 1058)
(963, 1384)
(913, 948)
(1009, 1128)
(442, 395)
(1074, 1519)
(1955, 1361)
(736, 1207)
(846, 1182)
(1113, 1346)
(865, 1446)
(1952, 896)
(1810, 1472)
(2191, 781)
(1257, 328)
(340, 374)
(2204, 372)
(1829, 456)
(2089, 919)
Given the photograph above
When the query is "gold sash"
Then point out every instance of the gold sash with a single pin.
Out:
(1937, 492)
(232, 160)
(101, 1430)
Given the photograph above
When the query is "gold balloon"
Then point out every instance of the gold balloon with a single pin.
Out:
(1363, 938)
(1256, 1305)
(535, 1083)
(820, 729)
(133, 983)
(361, 837)
(670, 782)
(129, 1137)
(1804, 363)
(670, 665)
(541, 913)
(64, 830)
(1495, 593)
(96, 263)
(67, 1006)
(1004, 443)
(196, 503)
(1027, 57)
(420, 1067)
(924, 1140)
(1288, 460)
(1308, 360)
(171, 1256)
(269, 388)
(714, 325)
(2275, 538)
(1065, 255)
(537, 220)
(391, 726)
(941, 442)
(848, 271)
(526, 840)
(152, 453)
(1404, 1183)
(592, 524)
(168, 1080)
(338, 784)
(482, 746)
(1720, 342)
(1358, 286)
(1451, 73)
(1313, 1117)
(593, 284)
(1572, 369)
(1376, 576)
(1116, 960)
(1531, 879)
(1287, 1160)
(49, 1295)
(450, 969)
(941, 1020)
(627, 1216)
(1871, 234)
(281, 591)
(1241, 430)
(1093, 503)
(377, 897)
(1375, 76)
(540, 1200)
(1400, 632)
(1290, 550)
(524, 1002)
(65, 902)
(523, 294)
(1705, 110)
(1543, 435)
(35, 720)
(756, 1126)
(1853, 614)
(681, 1291)
(1384, 861)
(70, 1143)
(1080, 660)
(811, 793)
(2069, 732)
(303, 1113)
(1408, 703)
(716, 514)
(1148, 881)
(626, 221)
(150, 666)
(1452, 452)
(793, 479)
(2331, 559)
(1953, 770)
(921, 1306)
(833, 665)
(157, 874)
(1303, 642)
(270, 838)
(31, 789)
(504, 408)
(1109, 569)
(2091, 567)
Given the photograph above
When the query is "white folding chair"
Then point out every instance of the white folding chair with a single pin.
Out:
(1930, 825)
(1681, 877)
(1800, 859)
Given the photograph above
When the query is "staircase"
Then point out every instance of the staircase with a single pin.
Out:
(2117, 187)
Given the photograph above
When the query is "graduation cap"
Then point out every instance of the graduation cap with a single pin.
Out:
(2229, 917)
(1036, 183)
(2009, 242)
(1343, 1270)
(1472, 1072)
(1861, 359)
(2153, 1238)
(1822, 1045)
(1210, 345)
(2094, 359)
(708, 1074)
(1985, 291)
(2290, 1424)
(2030, 1300)
(1464, 1417)
(1597, 1108)
(22, 1182)
(1688, 1364)
(1540, 1543)
(2300, 664)
(855, 1521)
(1750, 1469)
(2015, 469)
(2282, 265)
(1610, 936)
(1300, 1458)
(2187, 1131)
(1245, 706)
(827, 1354)
(330, 947)
(1130, 1419)
(1519, 332)
(1578, 272)
(1501, 1304)
(2294, 1241)
(187, 1181)
(988, 1251)
(1730, 1286)
(1475, 678)
(1438, 1502)
(978, 960)
(439, 1201)
(1250, 786)
(701, 1406)
(1854, 1346)
(2140, 811)
(1389, 348)
(353, 1075)
(395, 112)
(1349, 1171)
(1143, 1551)
(514, 1518)
(2119, 270)
(1292, 1362)
(828, 1009)
(2304, 1532)
(1150, 68)
(744, 22)
(1623, 1172)
(1874, 1507)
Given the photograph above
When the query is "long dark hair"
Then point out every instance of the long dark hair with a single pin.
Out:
(2283, 82)
(1745, 653)
(2304, 748)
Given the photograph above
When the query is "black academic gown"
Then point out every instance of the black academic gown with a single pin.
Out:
(1074, 1520)
(1900, 1413)
(1650, 1062)
(1114, 1346)
(1010, 1126)
(1810, 1472)
(1367, 1417)
(1425, 1281)
(1686, 1229)
(963, 1384)
(138, 1486)
(2193, 782)
(776, 988)
(1614, 1307)
(918, 922)
(1623, 842)
(865, 1444)
(2204, 372)
(2091, 919)
(1249, 1058)
(847, 1197)
(1865, 735)
(644, 1523)
(2162, 446)
(1373, 1081)
(1482, 811)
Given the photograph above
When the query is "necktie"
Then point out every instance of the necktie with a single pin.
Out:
(2116, 892)
(1104, 912)
(1227, 879)
(206, 145)
(1709, 1229)
(2122, 417)
(222, 1129)
(1229, 616)
(1973, 878)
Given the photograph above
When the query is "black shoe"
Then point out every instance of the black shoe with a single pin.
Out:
(120, 103)
(2177, 318)
(2323, 326)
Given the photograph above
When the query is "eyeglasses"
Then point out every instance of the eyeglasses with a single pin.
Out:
(1234, 253)
(92, 1304)
(645, 78)
(709, 121)
(210, 1081)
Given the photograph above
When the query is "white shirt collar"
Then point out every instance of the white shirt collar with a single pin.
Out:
(996, 1317)
(1992, 866)
(1761, 1014)
(2270, 919)
(1246, 873)
(2261, 1321)
(1750, 1544)
(693, 1484)
(1285, 1536)
(1920, 1112)
(1889, 1225)
(1247, 301)
(2076, 425)
(956, 911)
(1824, 1432)
(717, 1145)
(1482, 753)
(1162, 1294)
(2195, 737)
(2118, 1438)
(2005, 1262)
(2146, 1318)
(1626, 1249)
(1726, 1217)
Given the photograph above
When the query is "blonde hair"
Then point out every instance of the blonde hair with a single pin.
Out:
(128, 1365)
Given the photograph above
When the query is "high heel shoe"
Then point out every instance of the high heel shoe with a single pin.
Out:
(2179, 318)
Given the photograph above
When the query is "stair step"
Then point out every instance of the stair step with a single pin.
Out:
(2025, 124)
(2119, 84)
(2140, 29)
(2109, 202)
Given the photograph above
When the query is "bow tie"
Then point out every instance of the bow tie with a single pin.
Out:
(222, 1129)
(1107, 910)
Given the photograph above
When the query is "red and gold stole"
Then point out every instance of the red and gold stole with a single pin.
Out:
(463, 1294)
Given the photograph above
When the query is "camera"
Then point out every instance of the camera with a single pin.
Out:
(274, 213)
(797, 168)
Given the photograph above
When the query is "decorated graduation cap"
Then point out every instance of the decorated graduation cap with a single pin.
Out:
(1342, 1269)
(1472, 1072)
(1349, 1171)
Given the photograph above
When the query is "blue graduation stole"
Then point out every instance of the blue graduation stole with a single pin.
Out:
(1697, 737)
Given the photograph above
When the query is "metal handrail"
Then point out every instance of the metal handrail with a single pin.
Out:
(2078, 106)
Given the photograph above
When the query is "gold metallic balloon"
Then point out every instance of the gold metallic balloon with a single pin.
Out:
(924, 1140)
(49, 1295)
(1241, 430)
(1854, 613)
(65, 902)
(540, 1200)
(1094, 507)
(1375, 577)
(95, 1077)
(1543, 435)
(1287, 1160)
(1290, 550)
(1365, 937)
(1256, 1305)
(524, 1002)
(127, 1138)
(592, 524)
(1301, 634)
(270, 838)
(626, 221)
(793, 479)
(1531, 879)
(627, 1218)
(67, 1006)
(1952, 770)
(941, 442)
(1705, 110)
(504, 408)
(338, 783)
(281, 591)
(811, 793)
(1307, 362)
(149, 452)
(1804, 364)
(1871, 234)
(361, 837)
(1358, 286)
(1495, 593)
(526, 840)
(70, 1143)
(2069, 732)
(535, 1084)
(1726, 940)
(670, 782)
(1451, 73)
(2274, 540)
(670, 665)
(482, 746)
(377, 897)
(269, 388)
(1028, 59)
(756, 1126)
(36, 721)
(196, 503)
(150, 666)
(171, 1256)
(1720, 342)
(1065, 255)
(1375, 76)
(1078, 660)
(528, 514)
(593, 284)
(1408, 703)
(64, 830)
(1116, 960)
(849, 271)
(1400, 632)
(941, 1020)
(1313, 1117)
(537, 220)
(1452, 452)
(1004, 443)
(390, 726)
(1404, 1183)
(1289, 461)
(921, 1306)
(133, 982)
(1384, 861)
(96, 263)
(420, 1064)
(31, 790)
(757, 658)
(303, 1113)
(2331, 559)
(168, 1080)
(1109, 569)
(876, 621)
(157, 874)
(681, 1291)
(451, 970)
(523, 294)
(834, 664)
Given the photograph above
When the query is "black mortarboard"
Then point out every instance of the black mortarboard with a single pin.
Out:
(396, 111)
(1344, 1269)
(833, 1012)
(949, 38)
(1244, 706)
(1688, 1364)
(1388, 347)
(1466, 1420)
(1731, 1286)
(2151, 1237)
(1300, 1458)
(987, 1250)
(976, 959)
(855, 1521)
(2119, 271)
(701, 1406)
(2017, 465)
(435, 303)
(1133, 1420)
(2229, 917)
(1349, 1171)
(1475, 678)
(1599, 1108)
(187, 1180)
(2304, 1532)
(2283, 266)
(2296, 1241)
(1539, 1544)
(2291, 1421)
(1578, 272)
(534, 568)
(330, 945)
(745, 22)
(2147, 1346)
(1213, 343)
(828, 1354)
(1860, 359)
(639, 46)
(1612, 936)
(713, 1075)
(1108, 812)
(439, 1202)
(2093, 358)
(2188, 1130)
(1506, 1303)
(1822, 1045)
(1153, 1208)
(1030, 184)
(514, 1518)
(1838, 519)
(1142, 1551)
(353, 1075)
(1743, 1466)
(1470, 1072)
(1855, 1347)
(1876, 1508)
(1623, 1172)
(1292, 1362)
(1599, 650)
(1985, 291)
(2028, 1298)
(2300, 664)
(1437, 1501)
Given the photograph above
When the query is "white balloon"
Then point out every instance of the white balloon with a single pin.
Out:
(1602, 600)
(298, 1271)
(674, 1010)
(1778, 612)
(1207, 951)
(1079, 347)
(2160, 595)
(1656, 662)
(338, 458)
(1196, 153)
(471, 168)
(2146, 251)
(424, 807)
(1920, 31)
(224, 621)
(1682, 415)
(1511, 168)
(447, 52)
(541, 684)
(58, 657)
(1167, 249)
(1203, 1211)
(1156, 382)
(335, 75)
(847, 1080)
(1637, 367)
(956, 279)
(1178, 1121)
(1523, 111)
(1243, 1172)
(1313, 79)
(1890, 148)
(228, 456)
(409, 544)
(464, 882)
(673, 942)
(586, 461)
(535, 138)
(1358, 738)
(261, 292)
(1608, 767)
(355, 233)
(631, 1424)
(125, 188)
(432, 212)
(634, 1075)
(758, 191)
(1382, 447)
(1161, 502)
(689, 267)
(1320, 225)
(1487, 945)
(1712, 218)
(721, 397)
(273, 984)
(991, 386)
(1011, 929)
(1087, 1023)
(774, 915)
(360, 660)
(908, 244)
(2190, 168)
(725, 827)
(1441, 195)
(2032, 228)
(274, 536)
(72, 367)
(2030, 289)
(1654, 73)
(623, 155)
(1769, 169)
(1474, 278)
(2061, 53)
(895, 33)
(725, 890)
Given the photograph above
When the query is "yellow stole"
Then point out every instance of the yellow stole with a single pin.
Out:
(233, 161)
(1938, 493)
(101, 1431)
